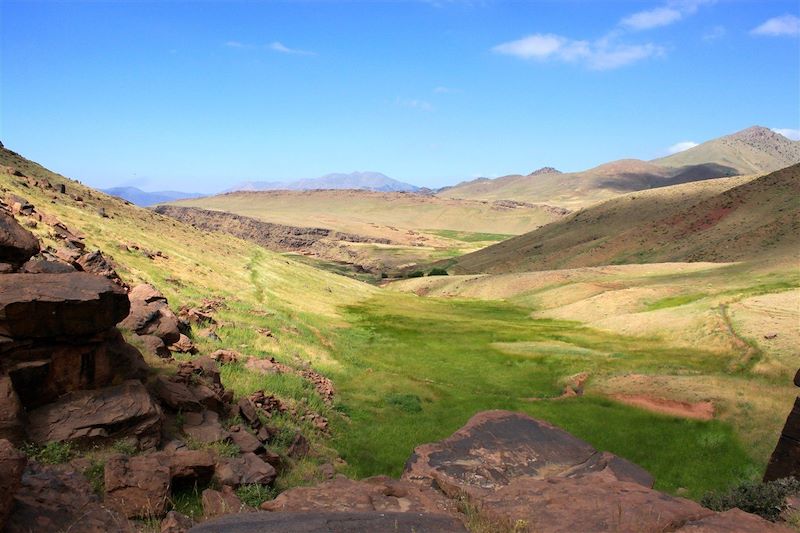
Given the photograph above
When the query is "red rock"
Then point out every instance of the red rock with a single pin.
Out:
(175, 522)
(17, 244)
(732, 521)
(11, 413)
(217, 503)
(224, 357)
(38, 266)
(204, 427)
(176, 396)
(138, 486)
(125, 410)
(12, 464)
(51, 305)
(323, 522)
(188, 467)
(150, 315)
(95, 263)
(244, 469)
(184, 345)
(154, 345)
(245, 440)
(54, 499)
(299, 447)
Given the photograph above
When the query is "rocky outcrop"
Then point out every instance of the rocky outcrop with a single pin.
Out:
(137, 487)
(150, 315)
(785, 460)
(17, 244)
(325, 522)
(121, 411)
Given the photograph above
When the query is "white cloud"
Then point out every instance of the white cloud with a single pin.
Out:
(789, 133)
(644, 20)
(444, 90)
(785, 25)
(603, 54)
(412, 103)
(278, 46)
(681, 146)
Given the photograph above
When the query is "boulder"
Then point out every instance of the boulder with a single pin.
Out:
(204, 426)
(125, 410)
(17, 244)
(11, 413)
(299, 447)
(57, 499)
(188, 467)
(97, 264)
(184, 345)
(326, 522)
(43, 370)
(175, 522)
(380, 493)
(174, 395)
(52, 305)
(138, 486)
(495, 447)
(150, 315)
(244, 469)
(220, 502)
(39, 266)
(154, 345)
(245, 440)
(224, 357)
(12, 464)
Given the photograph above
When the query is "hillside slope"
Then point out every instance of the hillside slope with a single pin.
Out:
(727, 219)
(755, 150)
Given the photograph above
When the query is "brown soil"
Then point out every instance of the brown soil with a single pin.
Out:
(696, 411)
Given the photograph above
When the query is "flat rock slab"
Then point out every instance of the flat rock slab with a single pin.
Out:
(496, 447)
(317, 522)
(125, 410)
(56, 305)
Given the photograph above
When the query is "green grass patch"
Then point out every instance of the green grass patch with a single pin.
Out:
(469, 236)
(415, 370)
(675, 301)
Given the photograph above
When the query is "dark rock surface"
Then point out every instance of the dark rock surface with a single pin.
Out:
(12, 465)
(52, 305)
(785, 459)
(17, 244)
(138, 486)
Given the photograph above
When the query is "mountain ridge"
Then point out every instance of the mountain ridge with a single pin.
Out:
(371, 181)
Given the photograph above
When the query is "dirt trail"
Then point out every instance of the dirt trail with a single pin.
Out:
(696, 411)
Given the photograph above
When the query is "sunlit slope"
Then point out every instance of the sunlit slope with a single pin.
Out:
(729, 219)
(755, 150)
(276, 292)
(580, 189)
(400, 217)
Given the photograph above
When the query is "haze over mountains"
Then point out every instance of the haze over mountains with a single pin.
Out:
(144, 198)
(371, 181)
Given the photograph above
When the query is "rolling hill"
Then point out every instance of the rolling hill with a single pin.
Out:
(726, 219)
(370, 181)
(751, 151)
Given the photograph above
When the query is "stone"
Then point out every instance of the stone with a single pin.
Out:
(154, 345)
(150, 315)
(220, 502)
(43, 370)
(17, 244)
(379, 493)
(39, 266)
(327, 471)
(224, 357)
(52, 305)
(785, 459)
(495, 447)
(174, 395)
(56, 499)
(12, 464)
(244, 439)
(137, 486)
(204, 427)
(11, 413)
(327, 522)
(184, 345)
(189, 467)
(244, 469)
(124, 410)
(299, 447)
(175, 522)
(96, 263)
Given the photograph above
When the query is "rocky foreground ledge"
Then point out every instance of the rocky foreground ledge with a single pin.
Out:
(502, 471)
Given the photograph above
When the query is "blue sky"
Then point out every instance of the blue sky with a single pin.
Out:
(197, 96)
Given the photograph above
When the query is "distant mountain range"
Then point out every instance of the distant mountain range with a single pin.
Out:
(755, 150)
(144, 198)
(371, 181)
